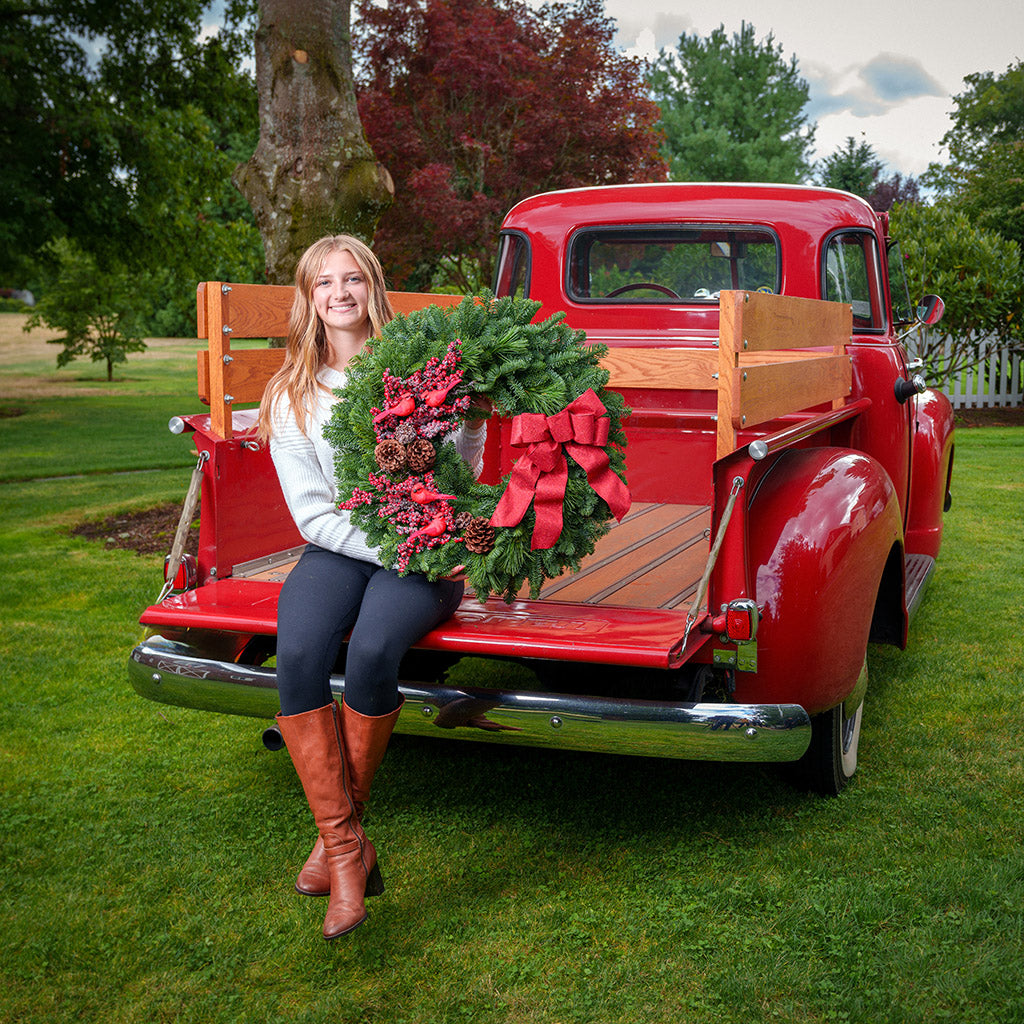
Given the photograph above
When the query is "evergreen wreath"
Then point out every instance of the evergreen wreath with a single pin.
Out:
(407, 488)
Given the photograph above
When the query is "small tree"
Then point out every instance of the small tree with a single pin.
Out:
(896, 189)
(852, 167)
(97, 311)
(855, 167)
(977, 273)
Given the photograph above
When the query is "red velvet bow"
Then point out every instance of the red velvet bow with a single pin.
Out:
(540, 474)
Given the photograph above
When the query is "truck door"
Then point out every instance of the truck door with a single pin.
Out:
(852, 271)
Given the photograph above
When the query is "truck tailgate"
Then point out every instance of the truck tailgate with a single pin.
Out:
(626, 606)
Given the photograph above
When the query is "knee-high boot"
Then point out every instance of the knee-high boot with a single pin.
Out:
(366, 739)
(316, 744)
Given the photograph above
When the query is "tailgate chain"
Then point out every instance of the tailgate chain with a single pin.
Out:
(188, 510)
(691, 615)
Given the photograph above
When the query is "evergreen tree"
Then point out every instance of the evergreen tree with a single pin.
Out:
(852, 167)
(733, 109)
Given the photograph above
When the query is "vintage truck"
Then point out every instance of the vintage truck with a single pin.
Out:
(789, 474)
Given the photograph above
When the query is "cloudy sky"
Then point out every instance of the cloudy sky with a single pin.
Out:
(883, 71)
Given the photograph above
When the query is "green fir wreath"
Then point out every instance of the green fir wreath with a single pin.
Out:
(408, 489)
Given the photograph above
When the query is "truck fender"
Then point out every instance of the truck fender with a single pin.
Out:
(822, 524)
(931, 472)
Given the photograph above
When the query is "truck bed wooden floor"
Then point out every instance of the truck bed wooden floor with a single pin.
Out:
(652, 559)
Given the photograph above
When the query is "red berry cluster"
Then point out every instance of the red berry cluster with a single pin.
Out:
(432, 399)
(428, 403)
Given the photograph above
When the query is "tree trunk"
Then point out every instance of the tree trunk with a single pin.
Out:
(313, 172)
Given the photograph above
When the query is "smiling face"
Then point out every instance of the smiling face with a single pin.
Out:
(341, 296)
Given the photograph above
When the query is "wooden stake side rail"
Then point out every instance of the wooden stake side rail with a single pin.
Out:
(225, 311)
(759, 372)
(754, 384)
(652, 559)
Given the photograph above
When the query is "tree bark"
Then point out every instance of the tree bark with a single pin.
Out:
(313, 172)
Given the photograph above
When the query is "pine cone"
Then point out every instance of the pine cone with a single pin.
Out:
(462, 521)
(390, 456)
(420, 455)
(405, 432)
(479, 536)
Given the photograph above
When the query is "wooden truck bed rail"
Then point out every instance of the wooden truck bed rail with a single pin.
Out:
(760, 371)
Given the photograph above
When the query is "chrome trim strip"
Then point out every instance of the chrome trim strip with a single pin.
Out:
(918, 571)
(171, 672)
(267, 562)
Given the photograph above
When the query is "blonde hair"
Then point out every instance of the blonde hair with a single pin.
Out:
(306, 346)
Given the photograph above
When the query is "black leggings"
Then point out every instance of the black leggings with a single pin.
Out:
(327, 594)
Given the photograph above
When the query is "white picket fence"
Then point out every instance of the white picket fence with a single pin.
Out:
(996, 381)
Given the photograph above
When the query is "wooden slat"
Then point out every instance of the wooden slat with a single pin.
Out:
(756, 321)
(409, 302)
(219, 345)
(652, 559)
(761, 375)
(769, 390)
(226, 311)
(245, 377)
(648, 560)
(728, 400)
(262, 310)
(258, 310)
(689, 368)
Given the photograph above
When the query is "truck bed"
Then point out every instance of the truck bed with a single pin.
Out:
(652, 559)
(627, 605)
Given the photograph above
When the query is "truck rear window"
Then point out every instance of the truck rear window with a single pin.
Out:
(666, 264)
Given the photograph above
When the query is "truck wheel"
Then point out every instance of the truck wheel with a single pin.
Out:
(831, 759)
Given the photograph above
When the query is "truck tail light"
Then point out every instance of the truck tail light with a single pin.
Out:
(738, 621)
(187, 575)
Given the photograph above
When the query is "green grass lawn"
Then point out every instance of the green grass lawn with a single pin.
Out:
(147, 853)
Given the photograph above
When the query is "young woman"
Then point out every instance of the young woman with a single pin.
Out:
(339, 584)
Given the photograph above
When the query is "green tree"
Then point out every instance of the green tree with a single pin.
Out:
(119, 127)
(733, 109)
(852, 167)
(986, 146)
(98, 312)
(977, 273)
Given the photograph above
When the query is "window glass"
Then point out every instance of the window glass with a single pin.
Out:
(903, 310)
(851, 270)
(512, 276)
(666, 264)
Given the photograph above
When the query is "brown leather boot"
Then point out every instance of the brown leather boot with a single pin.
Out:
(366, 739)
(314, 740)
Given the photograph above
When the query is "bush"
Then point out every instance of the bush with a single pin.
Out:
(977, 273)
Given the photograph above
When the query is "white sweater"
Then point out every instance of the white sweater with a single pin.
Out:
(305, 468)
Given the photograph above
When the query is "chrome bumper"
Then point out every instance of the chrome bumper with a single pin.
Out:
(176, 673)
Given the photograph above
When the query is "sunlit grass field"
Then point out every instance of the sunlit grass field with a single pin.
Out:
(147, 853)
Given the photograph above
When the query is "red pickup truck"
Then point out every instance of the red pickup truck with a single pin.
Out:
(788, 471)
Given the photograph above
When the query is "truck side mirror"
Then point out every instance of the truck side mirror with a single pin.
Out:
(930, 310)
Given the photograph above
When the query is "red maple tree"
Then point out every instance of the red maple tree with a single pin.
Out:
(473, 105)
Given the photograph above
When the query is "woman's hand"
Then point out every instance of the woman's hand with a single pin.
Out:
(480, 404)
